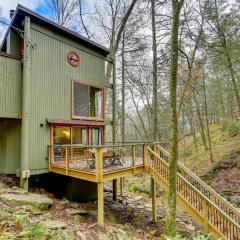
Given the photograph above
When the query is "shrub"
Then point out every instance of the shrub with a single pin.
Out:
(230, 126)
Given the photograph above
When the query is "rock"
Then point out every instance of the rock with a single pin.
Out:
(140, 207)
(37, 201)
(235, 200)
(190, 227)
(148, 205)
(53, 225)
(138, 198)
(130, 199)
(72, 211)
(64, 201)
(81, 235)
(131, 205)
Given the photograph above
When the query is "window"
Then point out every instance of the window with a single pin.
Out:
(87, 101)
(79, 135)
(96, 136)
(69, 135)
(61, 135)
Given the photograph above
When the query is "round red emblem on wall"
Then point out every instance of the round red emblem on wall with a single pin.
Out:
(73, 59)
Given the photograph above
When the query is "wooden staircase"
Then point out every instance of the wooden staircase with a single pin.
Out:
(208, 208)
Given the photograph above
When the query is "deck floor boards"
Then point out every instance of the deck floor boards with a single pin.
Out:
(88, 165)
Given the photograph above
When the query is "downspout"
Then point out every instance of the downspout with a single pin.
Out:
(114, 101)
(25, 172)
(115, 187)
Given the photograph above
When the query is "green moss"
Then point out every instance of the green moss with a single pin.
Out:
(35, 231)
(111, 218)
(132, 188)
(230, 126)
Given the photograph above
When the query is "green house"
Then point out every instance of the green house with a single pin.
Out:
(52, 91)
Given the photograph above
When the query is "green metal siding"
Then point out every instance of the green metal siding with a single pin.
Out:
(10, 145)
(14, 42)
(50, 86)
(2, 145)
(10, 86)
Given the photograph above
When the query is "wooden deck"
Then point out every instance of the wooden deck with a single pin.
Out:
(77, 162)
(104, 163)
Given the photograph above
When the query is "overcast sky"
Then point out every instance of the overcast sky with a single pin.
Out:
(39, 6)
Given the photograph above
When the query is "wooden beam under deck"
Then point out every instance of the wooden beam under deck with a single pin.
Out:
(91, 176)
(88, 176)
(107, 176)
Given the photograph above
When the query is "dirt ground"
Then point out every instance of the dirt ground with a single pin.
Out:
(128, 218)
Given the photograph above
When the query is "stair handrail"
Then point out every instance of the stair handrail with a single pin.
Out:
(202, 183)
(197, 191)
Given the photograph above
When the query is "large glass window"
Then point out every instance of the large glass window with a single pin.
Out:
(79, 135)
(87, 101)
(61, 135)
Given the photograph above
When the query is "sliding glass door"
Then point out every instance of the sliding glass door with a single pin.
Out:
(96, 136)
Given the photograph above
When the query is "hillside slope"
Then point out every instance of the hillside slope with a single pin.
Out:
(224, 174)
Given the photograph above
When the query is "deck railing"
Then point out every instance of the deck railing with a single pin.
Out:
(88, 158)
(216, 198)
(215, 212)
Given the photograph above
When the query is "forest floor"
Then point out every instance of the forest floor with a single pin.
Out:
(223, 174)
(128, 218)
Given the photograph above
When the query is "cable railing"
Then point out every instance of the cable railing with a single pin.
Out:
(84, 158)
(214, 216)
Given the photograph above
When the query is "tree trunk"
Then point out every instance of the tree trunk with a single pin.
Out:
(171, 214)
(123, 91)
(206, 116)
(155, 85)
(234, 82)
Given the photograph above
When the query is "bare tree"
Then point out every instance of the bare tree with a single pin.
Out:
(64, 10)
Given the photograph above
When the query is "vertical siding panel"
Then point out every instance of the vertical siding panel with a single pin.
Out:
(10, 85)
(50, 86)
(10, 103)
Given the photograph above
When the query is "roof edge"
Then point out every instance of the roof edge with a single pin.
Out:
(67, 31)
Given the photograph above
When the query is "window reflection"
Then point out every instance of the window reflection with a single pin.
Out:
(61, 135)
(87, 101)
(96, 136)
(79, 135)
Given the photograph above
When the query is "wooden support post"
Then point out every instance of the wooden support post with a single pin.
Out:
(49, 157)
(100, 204)
(99, 178)
(115, 189)
(24, 164)
(205, 214)
(134, 157)
(67, 160)
(154, 200)
(121, 186)
(99, 164)
(145, 156)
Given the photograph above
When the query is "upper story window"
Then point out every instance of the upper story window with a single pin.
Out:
(87, 101)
